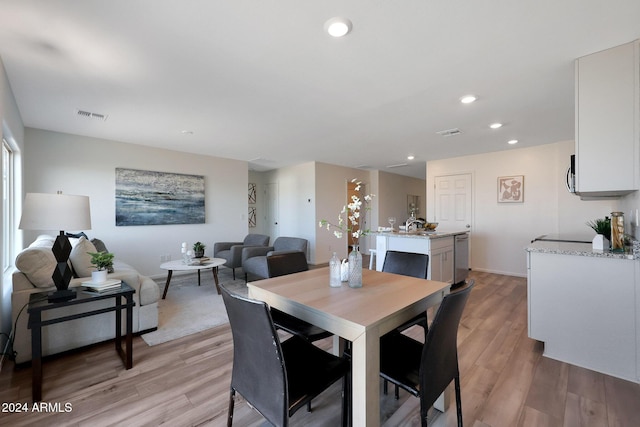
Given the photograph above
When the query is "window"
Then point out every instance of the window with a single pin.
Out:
(7, 211)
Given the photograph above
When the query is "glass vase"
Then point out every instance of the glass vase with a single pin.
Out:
(355, 268)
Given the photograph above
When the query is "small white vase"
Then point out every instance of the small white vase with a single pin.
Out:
(99, 276)
(600, 243)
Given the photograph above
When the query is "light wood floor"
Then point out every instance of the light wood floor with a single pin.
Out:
(505, 380)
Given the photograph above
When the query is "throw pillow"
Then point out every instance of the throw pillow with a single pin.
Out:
(80, 259)
(99, 244)
(38, 264)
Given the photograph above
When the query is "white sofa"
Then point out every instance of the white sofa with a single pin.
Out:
(34, 267)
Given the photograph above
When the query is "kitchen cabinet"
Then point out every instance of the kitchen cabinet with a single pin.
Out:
(584, 308)
(439, 247)
(441, 260)
(607, 121)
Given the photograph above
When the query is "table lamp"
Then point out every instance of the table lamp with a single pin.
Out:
(59, 211)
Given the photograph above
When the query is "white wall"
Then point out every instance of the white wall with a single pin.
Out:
(86, 166)
(296, 203)
(501, 231)
(392, 197)
(12, 131)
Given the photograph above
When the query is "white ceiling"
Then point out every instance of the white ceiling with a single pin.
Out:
(260, 80)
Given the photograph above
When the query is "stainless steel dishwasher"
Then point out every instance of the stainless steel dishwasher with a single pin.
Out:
(461, 258)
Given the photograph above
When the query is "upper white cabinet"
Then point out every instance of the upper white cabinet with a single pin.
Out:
(608, 121)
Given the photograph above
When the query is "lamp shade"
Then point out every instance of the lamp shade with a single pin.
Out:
(43, 211)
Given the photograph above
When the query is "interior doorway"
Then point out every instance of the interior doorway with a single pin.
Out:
(453, 202)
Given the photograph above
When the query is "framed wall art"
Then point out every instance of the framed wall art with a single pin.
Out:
(158, 198)
(252, 216)
(252, 193)
(511, 189)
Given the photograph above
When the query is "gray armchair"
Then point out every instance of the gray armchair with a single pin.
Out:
(254, 259)
(232, 251)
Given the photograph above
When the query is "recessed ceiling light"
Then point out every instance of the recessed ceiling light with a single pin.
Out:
(338, 27)
(495, 125)
(187, 132)
(467, 99)
(411, 157)
(513, 141)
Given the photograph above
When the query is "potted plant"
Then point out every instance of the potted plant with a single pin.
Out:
(103, 262)
(602, 227)
(198, 249)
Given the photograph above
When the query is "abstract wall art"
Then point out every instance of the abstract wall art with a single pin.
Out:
(511, 189)
(158, 198)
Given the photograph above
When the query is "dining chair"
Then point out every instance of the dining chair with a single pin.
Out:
(289, 263)
(276, 378)
(408, 264)
(425, 370)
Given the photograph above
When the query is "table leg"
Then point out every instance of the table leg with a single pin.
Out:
(198, 277)
(215, 278)
(129, 338)
(166, 286)
(36, 357)
(365, 379)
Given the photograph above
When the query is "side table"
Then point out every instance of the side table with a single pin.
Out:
(38, 304)
(179, 265)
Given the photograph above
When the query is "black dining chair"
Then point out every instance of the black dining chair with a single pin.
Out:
(289, 263)
(425, 370)
(408, 264)
(276, 378)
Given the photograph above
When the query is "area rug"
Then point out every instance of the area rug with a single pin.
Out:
(189, 308)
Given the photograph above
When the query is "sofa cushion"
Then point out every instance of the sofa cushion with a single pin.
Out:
(38, 264)
(80, 259)
(99, 244)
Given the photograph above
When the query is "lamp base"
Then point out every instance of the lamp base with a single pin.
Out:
(62, 295)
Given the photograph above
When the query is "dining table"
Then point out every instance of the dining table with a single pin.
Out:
(358, 315)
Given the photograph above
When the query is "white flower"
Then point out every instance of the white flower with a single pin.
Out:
(350, 216)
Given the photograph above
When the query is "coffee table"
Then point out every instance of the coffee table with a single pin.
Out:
(179, 265)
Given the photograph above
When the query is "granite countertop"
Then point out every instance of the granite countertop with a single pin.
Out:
(420, 234)
(581, 249)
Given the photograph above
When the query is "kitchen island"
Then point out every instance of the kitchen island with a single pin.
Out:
(439, 245)
(584, 304)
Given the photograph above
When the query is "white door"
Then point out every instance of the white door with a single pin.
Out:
(453, 207)
(272, 215)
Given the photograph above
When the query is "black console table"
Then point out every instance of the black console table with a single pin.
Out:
(38, 303)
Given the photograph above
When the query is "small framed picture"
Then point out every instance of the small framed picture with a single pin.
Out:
(511, 189)
(252, 193)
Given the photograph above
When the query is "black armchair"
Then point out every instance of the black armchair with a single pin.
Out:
(254, 260)
(232, 251)
(425, 370)
(276, 378)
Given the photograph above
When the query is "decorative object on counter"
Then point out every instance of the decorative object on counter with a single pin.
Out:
(430, 226)
(350, 221)
(334, 271)
(602, 227)
(103, 262)
(412, 205)
(617, 231)
(392, 220)
(511, 189)
(198, 249)
(344, 271)
(355, 268)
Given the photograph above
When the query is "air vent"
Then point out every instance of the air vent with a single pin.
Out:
(399, 165)
(449, 132)
(90, 115)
